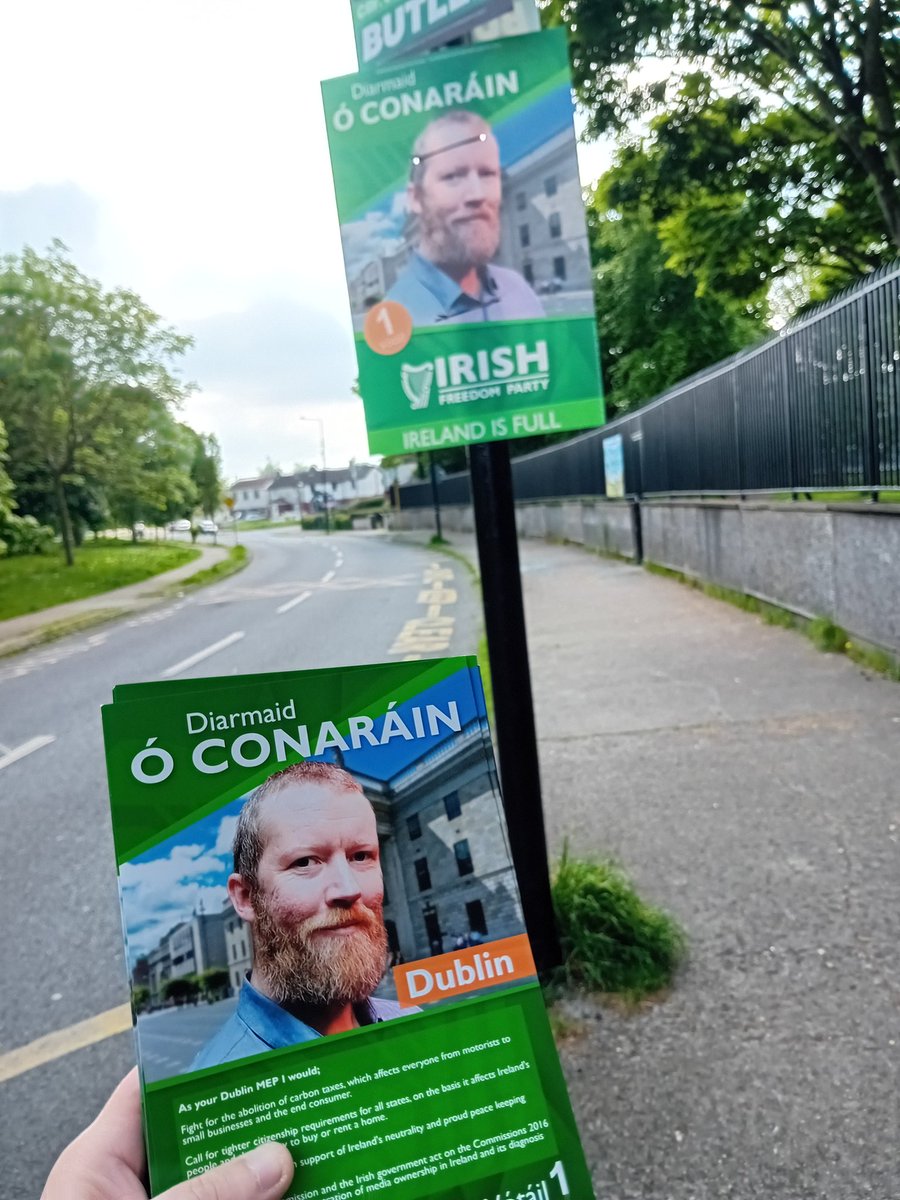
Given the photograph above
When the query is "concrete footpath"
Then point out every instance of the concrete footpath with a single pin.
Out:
(18, 633)
(749, 784)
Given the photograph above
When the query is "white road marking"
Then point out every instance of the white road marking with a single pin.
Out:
(328, 576)
(201, 654)
(29, 747)
(296, 600)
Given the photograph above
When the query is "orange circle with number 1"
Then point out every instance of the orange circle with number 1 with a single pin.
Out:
(388, 327)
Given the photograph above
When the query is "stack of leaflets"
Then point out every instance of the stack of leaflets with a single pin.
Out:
(324, 936)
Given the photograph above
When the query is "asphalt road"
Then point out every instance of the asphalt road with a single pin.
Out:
(306, 600)
(171, 1037)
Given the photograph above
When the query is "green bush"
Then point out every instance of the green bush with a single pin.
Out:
(612, 940)
(183, 990)
(140, 997)
(337, 521)
(827, 636)
(24, 535)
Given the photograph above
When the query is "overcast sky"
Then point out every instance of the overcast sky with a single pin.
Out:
(178, 148)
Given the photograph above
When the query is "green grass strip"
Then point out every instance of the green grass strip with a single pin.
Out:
(34, 582)
(613, 942)
(236, 559)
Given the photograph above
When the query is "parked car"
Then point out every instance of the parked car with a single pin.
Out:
(182, 526)
(207, 526)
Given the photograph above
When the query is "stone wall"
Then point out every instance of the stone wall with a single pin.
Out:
(840, 561)
(598, 524)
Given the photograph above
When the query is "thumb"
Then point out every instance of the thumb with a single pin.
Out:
(263, 1174)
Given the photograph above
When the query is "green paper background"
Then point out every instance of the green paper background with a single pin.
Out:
(546, 1147)
(518, 1014)
(370, 164)
(143, 814)
(370, 161)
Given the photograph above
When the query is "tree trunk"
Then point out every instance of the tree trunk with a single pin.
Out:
(65, 521)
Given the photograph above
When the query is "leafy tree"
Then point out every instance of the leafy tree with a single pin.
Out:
(214, 982)
(735, 193)
(85, 375)
(162, 487)
(206, 472)
(183, 991)
(140, 997)
(6, 484)
(18, 534)
(657, 326)
(833, 65)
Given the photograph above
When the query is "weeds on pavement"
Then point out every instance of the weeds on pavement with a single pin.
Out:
(612, 940)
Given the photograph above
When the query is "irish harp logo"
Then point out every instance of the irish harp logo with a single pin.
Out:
(416, 383)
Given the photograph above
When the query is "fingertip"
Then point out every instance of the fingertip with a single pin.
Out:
(272, 1166)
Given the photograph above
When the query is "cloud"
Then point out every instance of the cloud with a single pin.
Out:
(159, 894)
(276, 351)
(225, 837)
(37, 215)
(264, 368)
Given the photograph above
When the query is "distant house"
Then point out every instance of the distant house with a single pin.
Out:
(251, 498)
(287, 497)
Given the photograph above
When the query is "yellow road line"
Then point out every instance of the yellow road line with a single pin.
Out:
(63, 1041)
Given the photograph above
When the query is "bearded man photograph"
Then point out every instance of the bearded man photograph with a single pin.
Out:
(307, 880)
(453, 200)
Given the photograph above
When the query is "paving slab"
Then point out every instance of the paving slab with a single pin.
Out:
(751, 785)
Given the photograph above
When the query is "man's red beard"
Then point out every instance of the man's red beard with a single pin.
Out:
(460, 245)
(304, 964)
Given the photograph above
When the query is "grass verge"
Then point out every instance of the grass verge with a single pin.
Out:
(824, 634)
(236, 559)
(613, 942)
(38, 581)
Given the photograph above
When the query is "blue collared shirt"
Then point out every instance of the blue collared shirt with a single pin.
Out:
(433, 298)
(259, 1024)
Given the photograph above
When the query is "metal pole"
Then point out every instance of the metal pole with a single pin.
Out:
(435, 498)
(325, 479)
(321, 425)
(504, 614)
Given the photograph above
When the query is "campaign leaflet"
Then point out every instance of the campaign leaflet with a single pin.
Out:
(324, 936)
(465, 246)
(390, 29)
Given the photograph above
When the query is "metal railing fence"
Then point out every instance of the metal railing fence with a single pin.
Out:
(815, 407)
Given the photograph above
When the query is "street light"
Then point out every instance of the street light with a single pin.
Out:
(321, 424)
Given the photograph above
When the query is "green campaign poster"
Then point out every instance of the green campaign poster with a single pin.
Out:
(465, 246)
(324, 936)
(390, 29)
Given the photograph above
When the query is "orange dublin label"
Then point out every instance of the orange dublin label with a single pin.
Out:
(430, 979)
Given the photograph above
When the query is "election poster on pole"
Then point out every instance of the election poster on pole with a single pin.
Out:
(389, 29)
(325, 939)
(465, 247)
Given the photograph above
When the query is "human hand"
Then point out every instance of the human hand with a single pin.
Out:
(107, 1162)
